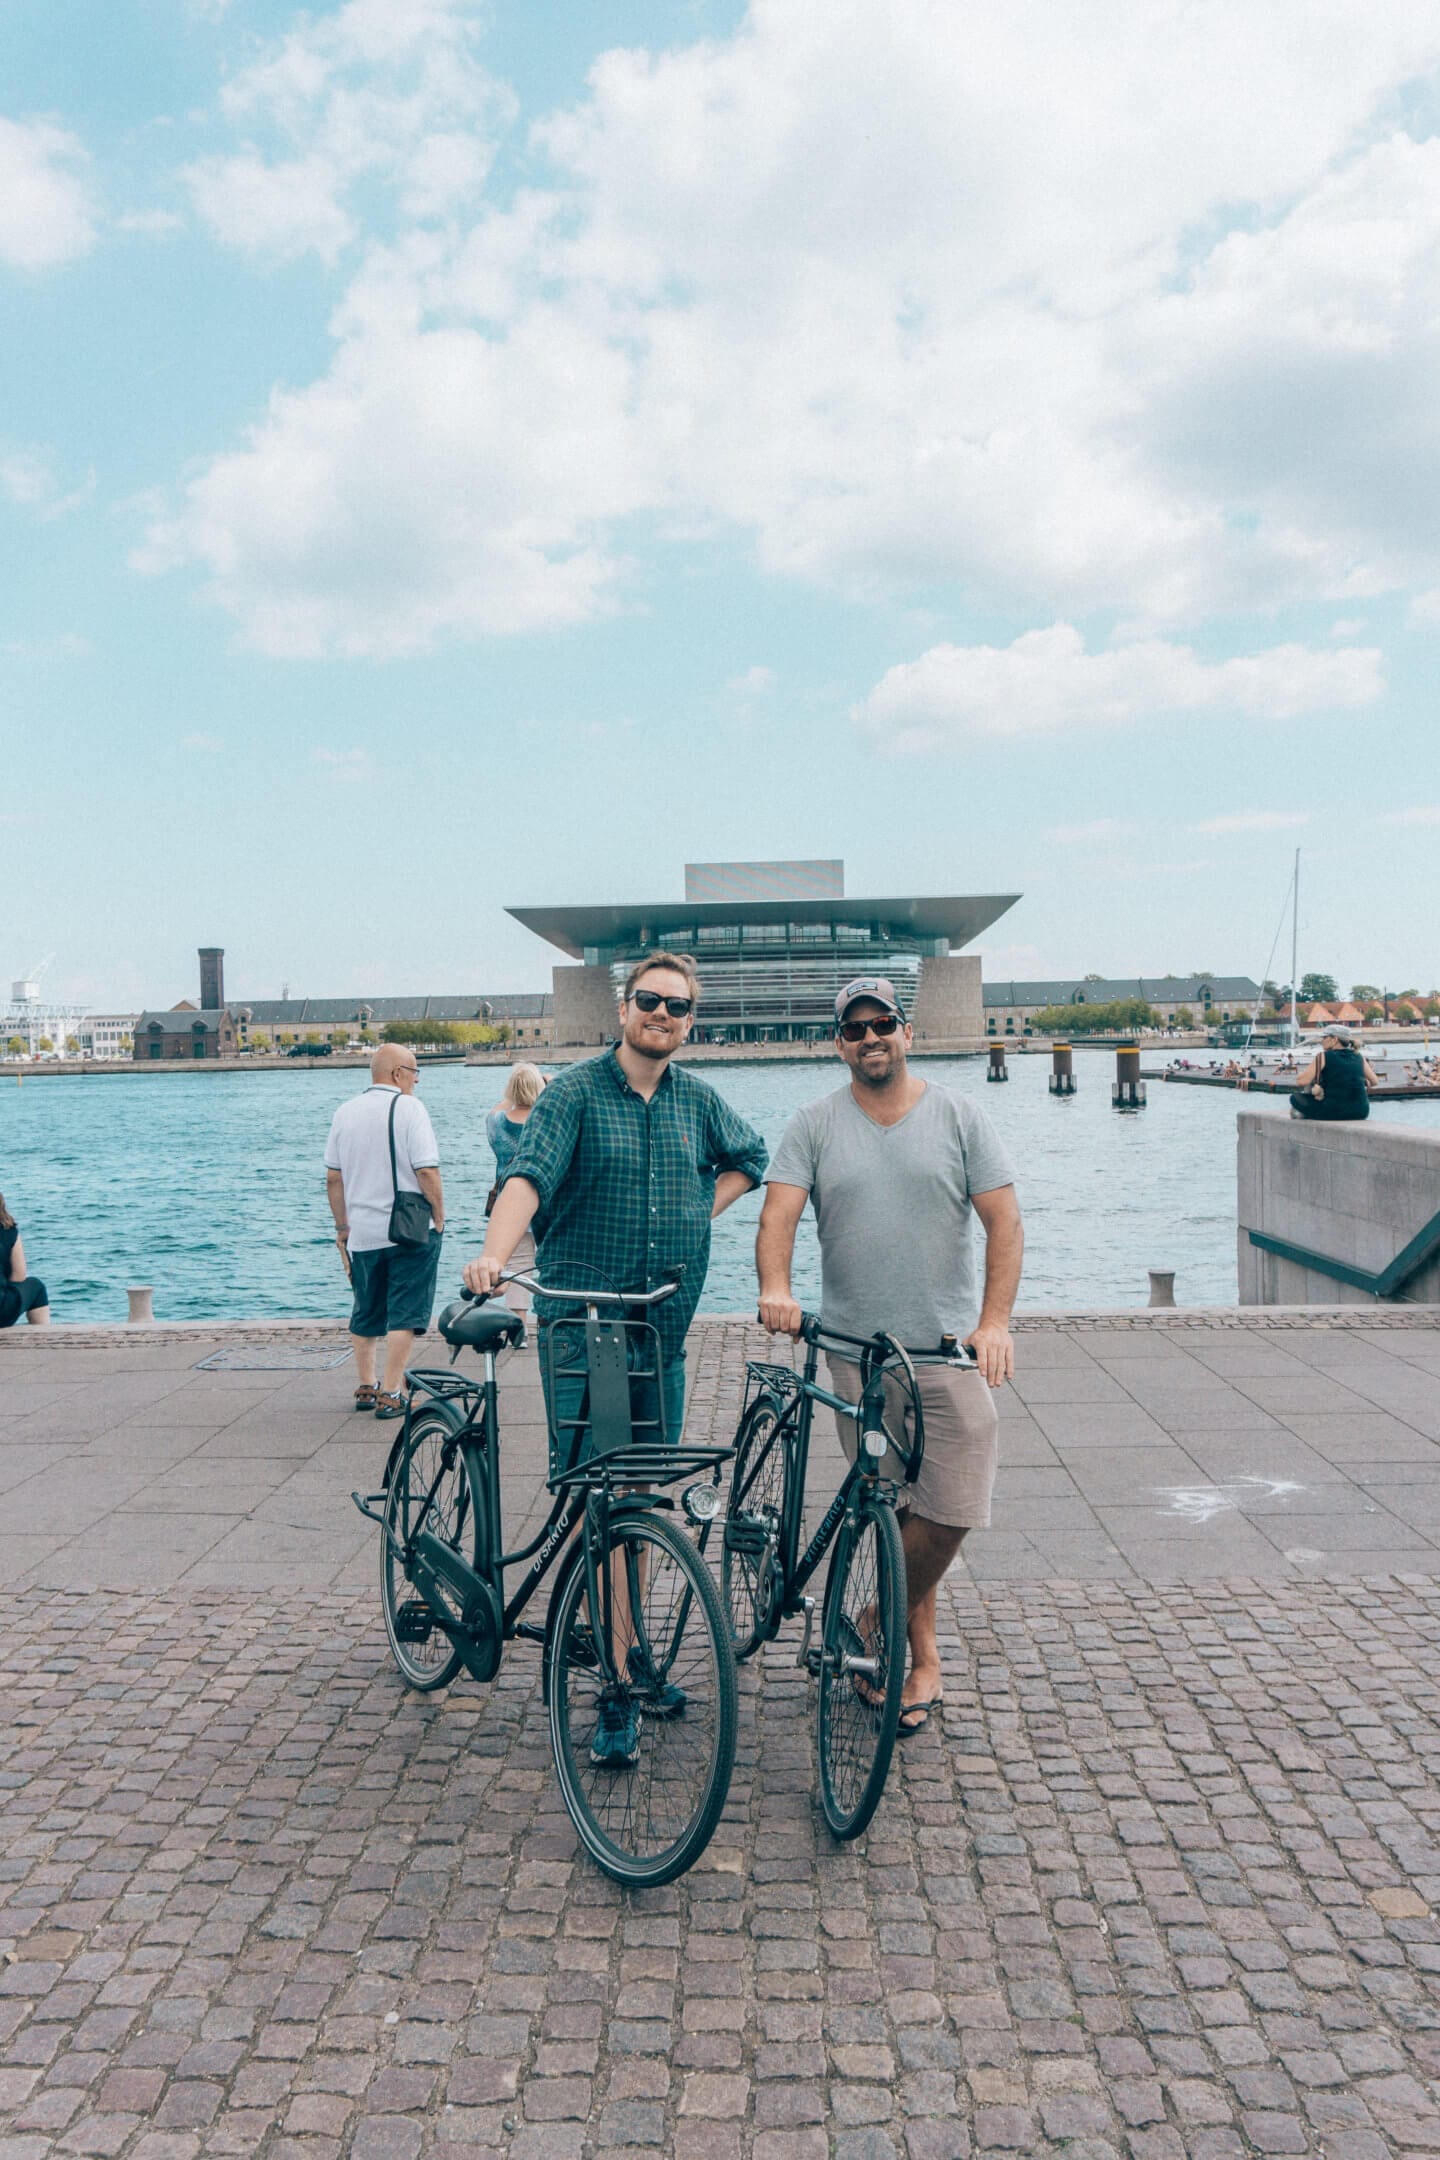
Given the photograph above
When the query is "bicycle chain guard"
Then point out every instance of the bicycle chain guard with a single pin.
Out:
(444, 1581)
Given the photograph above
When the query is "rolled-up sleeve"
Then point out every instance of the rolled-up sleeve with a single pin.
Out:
(547, 1146)
(733, 1144)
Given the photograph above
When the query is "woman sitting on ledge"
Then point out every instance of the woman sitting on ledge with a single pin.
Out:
(1335, 1083)
(19, 1292)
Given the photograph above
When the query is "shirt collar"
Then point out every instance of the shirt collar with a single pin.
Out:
(622, 1082)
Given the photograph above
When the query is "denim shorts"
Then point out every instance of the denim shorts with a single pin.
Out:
(394, 1287)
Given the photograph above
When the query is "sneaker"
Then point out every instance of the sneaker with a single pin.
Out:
(616, 1745)
(661, 1697)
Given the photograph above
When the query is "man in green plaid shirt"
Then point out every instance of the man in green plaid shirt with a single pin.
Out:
(624, 1163)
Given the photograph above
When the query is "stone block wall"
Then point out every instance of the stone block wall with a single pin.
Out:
(584, 1005)
(1356, 1193)
(948, 1001)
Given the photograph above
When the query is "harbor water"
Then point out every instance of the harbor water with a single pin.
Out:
(212, 1187)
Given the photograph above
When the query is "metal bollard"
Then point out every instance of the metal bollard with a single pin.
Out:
(1062, 1075)
(1128, 1089)
(997, 1063)
(141, 1307)
(1162, 1286)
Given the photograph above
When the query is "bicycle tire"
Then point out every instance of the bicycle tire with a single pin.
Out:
(754, 1513)
(646, 1824)
(455, 1518)
(864, 1616)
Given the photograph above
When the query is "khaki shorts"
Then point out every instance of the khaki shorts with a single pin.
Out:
(957, 1475)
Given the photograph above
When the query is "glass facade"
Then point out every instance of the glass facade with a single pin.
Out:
(776, 981)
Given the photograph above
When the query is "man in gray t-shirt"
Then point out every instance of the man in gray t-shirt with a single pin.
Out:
(894, 1168)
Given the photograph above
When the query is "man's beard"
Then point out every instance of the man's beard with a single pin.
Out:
(875, 1075)
(657, 1052)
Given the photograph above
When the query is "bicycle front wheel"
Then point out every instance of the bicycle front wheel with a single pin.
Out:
(425, 1654)
(644, 1765)
(862, 1666)
(750, 1546)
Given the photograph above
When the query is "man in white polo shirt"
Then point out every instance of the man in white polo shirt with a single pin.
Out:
(394, 1285)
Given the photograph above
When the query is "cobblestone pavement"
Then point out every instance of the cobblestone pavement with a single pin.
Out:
(1164, 1886)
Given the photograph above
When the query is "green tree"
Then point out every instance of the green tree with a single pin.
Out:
(1184, 1018)
(45, 1043)
(434, 1032)
(16, 1046)
(1120, 1017)
(1364, 993)
(366, 1037)
(72, 1046)
(339, 1037)
(1318, 989)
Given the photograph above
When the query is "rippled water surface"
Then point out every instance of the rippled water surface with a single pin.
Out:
(213, 1188)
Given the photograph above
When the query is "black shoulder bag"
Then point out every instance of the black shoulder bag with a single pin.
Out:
(409, 1211)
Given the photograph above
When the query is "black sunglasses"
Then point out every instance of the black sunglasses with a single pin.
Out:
(650, 1000)
(853, 1031)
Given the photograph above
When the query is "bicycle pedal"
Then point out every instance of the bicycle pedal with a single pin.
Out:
(414, 1621)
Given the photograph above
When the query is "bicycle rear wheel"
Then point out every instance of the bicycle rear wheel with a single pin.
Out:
(419, 1645)
(646, 1820)
(750, 1547)
(862, 1666)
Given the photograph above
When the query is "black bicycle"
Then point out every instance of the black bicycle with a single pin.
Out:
(860, 1662)
(639, 1671)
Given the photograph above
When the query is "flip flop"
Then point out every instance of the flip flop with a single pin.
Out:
(920, 1713)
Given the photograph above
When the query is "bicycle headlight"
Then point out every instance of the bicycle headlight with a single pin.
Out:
(877, 1445)
(702, 1502)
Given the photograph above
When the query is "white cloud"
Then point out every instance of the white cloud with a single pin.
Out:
(1252, 821)
(755, 682)
(1135, 313)
(1097, 832)
(351, 766)
(1417, 814)
(1046, 682)
(27, 477)
(46, 211)
(1425, 607)
(370, 93)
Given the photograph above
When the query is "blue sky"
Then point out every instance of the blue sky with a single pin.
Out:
(459, 455)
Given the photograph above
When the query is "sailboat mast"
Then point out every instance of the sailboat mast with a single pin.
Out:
(1294, 952)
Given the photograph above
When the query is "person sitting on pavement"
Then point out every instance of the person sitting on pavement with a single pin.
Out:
(895, 1167)
(19, 1292)
(393, 1285)
(1335, 1084)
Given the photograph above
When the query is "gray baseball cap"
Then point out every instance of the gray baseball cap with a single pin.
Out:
(878, 988)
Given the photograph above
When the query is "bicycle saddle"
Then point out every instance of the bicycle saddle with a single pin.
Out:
(469, 1325)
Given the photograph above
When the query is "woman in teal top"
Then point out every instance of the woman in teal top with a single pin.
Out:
(504, 1129)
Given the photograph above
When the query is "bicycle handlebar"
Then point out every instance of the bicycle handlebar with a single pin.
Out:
(949, 1352)
(579, 1297)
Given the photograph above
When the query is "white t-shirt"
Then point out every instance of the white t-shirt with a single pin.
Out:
(359, 1148)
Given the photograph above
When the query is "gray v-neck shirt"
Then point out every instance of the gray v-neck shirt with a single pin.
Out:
(892, 1205)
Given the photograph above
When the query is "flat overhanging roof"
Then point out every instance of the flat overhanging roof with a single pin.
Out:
(957, 920)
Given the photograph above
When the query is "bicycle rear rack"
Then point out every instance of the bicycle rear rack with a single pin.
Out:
(652, 1464)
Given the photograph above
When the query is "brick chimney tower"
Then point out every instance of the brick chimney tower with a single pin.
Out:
(212, 977)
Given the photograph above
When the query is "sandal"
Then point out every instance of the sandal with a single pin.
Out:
(919, 1712)
(388, 1406)
(365, 1395)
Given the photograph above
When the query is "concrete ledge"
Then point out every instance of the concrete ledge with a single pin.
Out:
(83, 1334)
(1353, 1194)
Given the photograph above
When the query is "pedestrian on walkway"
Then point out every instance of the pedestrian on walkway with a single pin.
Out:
(625, 1161)
(895, 1166)
(504, 1129)
(382, 1145)
(19, 1292)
